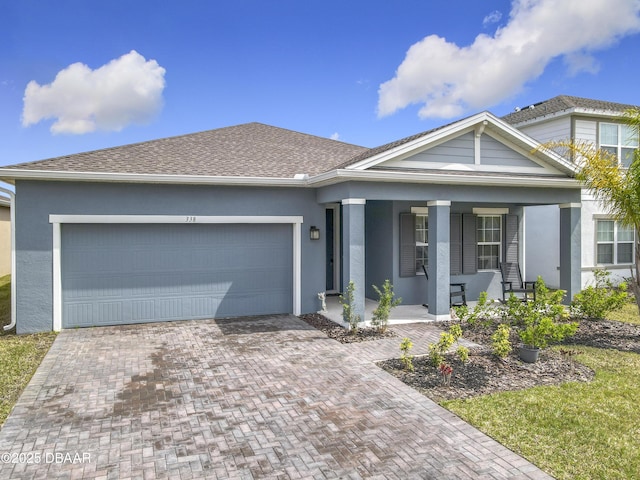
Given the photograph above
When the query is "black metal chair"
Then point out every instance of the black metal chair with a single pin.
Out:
(512, 283)
(455, 290)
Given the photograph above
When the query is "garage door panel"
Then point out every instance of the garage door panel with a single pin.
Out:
(118, 274)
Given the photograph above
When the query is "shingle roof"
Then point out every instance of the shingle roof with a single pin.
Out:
(563, 103)
(247, 150)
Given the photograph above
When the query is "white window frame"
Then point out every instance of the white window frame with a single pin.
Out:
(498, 243)
(422, 212)
(619, 145)
(615, 242)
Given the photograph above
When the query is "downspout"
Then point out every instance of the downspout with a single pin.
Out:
(12, 197)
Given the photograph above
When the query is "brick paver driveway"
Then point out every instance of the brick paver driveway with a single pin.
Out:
(267, 397)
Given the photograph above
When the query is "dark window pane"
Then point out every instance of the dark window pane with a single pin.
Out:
(625, 252)
(605, 253)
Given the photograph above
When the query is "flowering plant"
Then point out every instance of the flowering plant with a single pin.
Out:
(445, 371)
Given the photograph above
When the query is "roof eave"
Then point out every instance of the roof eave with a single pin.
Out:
(569, 112)
(344, 175)
(10, 175)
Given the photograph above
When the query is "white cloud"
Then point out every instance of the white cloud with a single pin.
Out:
(448, 79)
(127, 90)
(493, 17)
(335, 136)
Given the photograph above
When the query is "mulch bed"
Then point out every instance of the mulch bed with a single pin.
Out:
(342, 335)
(484, 373)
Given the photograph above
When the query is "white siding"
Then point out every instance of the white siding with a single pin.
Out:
(557, 129)
(590, 209)
(586, 130)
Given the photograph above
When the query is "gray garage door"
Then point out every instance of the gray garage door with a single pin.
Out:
(121, 274)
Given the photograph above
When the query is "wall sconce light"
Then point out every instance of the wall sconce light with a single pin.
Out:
(314, 233)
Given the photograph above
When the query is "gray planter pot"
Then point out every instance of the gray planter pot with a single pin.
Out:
(528, 354)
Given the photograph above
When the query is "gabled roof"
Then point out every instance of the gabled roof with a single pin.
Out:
(565, 104)
(258, 154)
(479, 123)
(247, 150)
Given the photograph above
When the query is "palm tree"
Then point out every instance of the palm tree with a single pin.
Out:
(615, 186)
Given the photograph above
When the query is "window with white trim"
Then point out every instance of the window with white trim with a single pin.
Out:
(422, 242)
(489, 238)
(615, 243)
(620, 140)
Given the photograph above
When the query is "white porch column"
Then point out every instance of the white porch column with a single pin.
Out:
(353, 258)
(439, 258)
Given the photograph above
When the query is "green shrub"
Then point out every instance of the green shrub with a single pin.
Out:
(500, 343)
(348, 316)
(597, 301)
(386, 302)
(447, 339)
(484, 311)
(547, 303)
(407, 360)
(539, 332)
(463, 353)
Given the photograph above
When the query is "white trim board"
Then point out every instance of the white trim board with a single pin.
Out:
(57, 220)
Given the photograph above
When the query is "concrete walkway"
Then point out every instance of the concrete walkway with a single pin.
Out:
(268, 397)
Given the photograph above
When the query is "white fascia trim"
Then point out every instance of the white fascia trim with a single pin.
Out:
(354, 201)
(570, 205)
(473, 167)
(173, 219)
(57, 220)
(337, 176)
(19, 174)
(438, 203)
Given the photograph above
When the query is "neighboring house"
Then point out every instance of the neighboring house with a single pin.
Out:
(5, 236)
(605, 243)
(223, 222)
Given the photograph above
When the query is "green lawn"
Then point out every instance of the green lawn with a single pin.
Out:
(20, 355)
(575, 430)
(628, 313)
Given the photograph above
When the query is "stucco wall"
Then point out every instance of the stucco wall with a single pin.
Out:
(5, 240)
(383, 255)
(35, 201)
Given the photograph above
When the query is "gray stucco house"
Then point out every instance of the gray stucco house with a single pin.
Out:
(220, 223)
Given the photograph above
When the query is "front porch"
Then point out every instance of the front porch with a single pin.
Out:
(399, 315)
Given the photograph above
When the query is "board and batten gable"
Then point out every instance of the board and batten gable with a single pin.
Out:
(470, 152)
(37, 201)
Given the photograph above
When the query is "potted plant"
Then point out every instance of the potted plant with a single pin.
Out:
(538, 332)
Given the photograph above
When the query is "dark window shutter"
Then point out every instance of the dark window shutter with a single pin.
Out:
(455, 242)
(469, 244)
(511, 239)
(407, 245)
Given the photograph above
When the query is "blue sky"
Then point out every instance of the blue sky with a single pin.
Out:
(89, 74)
